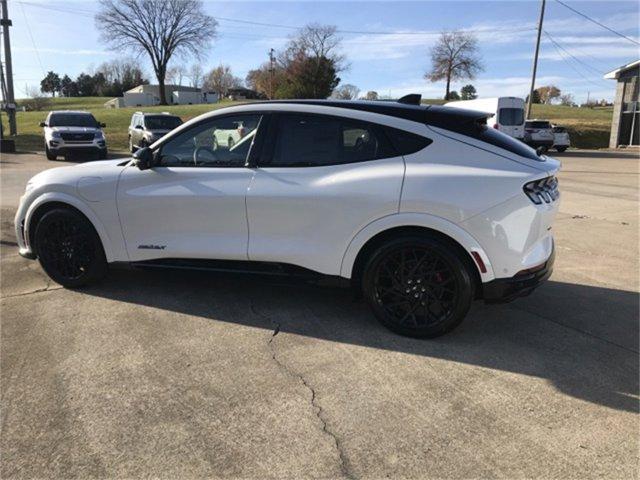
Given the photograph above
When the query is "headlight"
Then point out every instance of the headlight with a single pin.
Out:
(55, 135)
(99, 135)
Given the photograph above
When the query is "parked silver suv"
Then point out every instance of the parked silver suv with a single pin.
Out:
(67, 132)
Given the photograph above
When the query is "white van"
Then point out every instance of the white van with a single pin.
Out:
(508, 113)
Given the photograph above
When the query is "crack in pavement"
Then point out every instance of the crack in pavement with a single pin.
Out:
(48, 288)
(314, 402)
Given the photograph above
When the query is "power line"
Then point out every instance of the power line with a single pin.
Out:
(33, 42)
(597, 22)
(88, 13)
(556, 44)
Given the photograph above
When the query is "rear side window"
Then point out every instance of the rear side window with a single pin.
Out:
(511, 116)
(405, 143)
(319, 140)
(499, 139)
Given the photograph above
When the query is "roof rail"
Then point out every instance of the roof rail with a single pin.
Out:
(411, 99)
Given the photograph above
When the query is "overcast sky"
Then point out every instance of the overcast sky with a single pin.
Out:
(61, 36)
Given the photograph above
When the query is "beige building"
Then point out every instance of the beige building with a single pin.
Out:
(625, 124)
(149, 95)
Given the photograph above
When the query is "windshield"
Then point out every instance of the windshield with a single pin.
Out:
(73, 120)
(511, 116)
(164, 122)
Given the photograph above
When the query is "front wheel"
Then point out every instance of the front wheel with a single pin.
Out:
(418, 286)
(49, 154)
(69, 249)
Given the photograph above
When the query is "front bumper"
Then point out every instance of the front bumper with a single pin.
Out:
(504, 290)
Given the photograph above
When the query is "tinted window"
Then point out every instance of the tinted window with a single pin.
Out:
(511, 116)
(220, 142)
(499, 139)
(406, 143)
(317, 140)
(164, 122)
(72, 120)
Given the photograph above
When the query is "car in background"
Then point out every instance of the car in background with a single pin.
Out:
(508, 113)
(539, 134)
(228, 134)
(68, 132)
(146, 128)
(561, 140)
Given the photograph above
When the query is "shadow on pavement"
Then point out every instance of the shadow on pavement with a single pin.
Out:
(583, 339)
(618, 154)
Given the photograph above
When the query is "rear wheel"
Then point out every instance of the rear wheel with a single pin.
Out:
(418, 286)
(231, 142)
(561, 149)
(69, 248)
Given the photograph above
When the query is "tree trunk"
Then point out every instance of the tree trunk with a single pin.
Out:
(446, 95)
(161, 91)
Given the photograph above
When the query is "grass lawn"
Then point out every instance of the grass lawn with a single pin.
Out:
(589, 128)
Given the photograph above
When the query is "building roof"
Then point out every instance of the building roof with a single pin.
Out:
(168, 87)
(613, 75)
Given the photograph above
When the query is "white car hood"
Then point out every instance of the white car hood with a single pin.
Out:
(105, 169)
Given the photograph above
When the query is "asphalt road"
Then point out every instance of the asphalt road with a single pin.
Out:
(184, 375)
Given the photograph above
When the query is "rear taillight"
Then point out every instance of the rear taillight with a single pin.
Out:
(545, 190)
(496, 126)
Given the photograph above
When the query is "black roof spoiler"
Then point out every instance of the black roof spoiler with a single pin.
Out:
(411, 99)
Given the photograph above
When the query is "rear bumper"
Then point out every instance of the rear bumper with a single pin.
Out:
(504, 290)
(539, 143)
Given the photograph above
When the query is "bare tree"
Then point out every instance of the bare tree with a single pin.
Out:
(454, 57)
(196, 75)
(221, 79)
(346, 92)
(371, 95)
(548, 93)
(162, 29)
(176, 74)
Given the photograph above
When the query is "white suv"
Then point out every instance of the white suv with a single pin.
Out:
(67, 132)
(422, 208)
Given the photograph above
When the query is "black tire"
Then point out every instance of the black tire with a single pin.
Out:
(69, 249)
(561, 149)
(230, 143)
(50, 156)
(418, 286)
(103, 154)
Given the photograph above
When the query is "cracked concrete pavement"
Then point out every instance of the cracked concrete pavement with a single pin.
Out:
(191, 375)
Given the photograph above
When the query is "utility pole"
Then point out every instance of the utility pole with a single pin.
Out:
(9, 100)
(272, 60)
(535, 61)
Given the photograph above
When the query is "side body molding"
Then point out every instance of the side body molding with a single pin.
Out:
(113, 247)
(409, 219)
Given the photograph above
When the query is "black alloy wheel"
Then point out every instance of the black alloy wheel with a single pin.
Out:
(417, 286)
(69, 248)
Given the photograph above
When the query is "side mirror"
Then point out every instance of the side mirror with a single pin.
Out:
(102, 125)
(43, 124)
(144, 158)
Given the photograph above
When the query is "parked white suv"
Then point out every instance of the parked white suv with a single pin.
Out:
(69, 132)
(538, 134)
(422, 208)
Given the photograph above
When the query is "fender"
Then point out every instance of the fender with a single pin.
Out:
(78, 204)
(408, 219)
